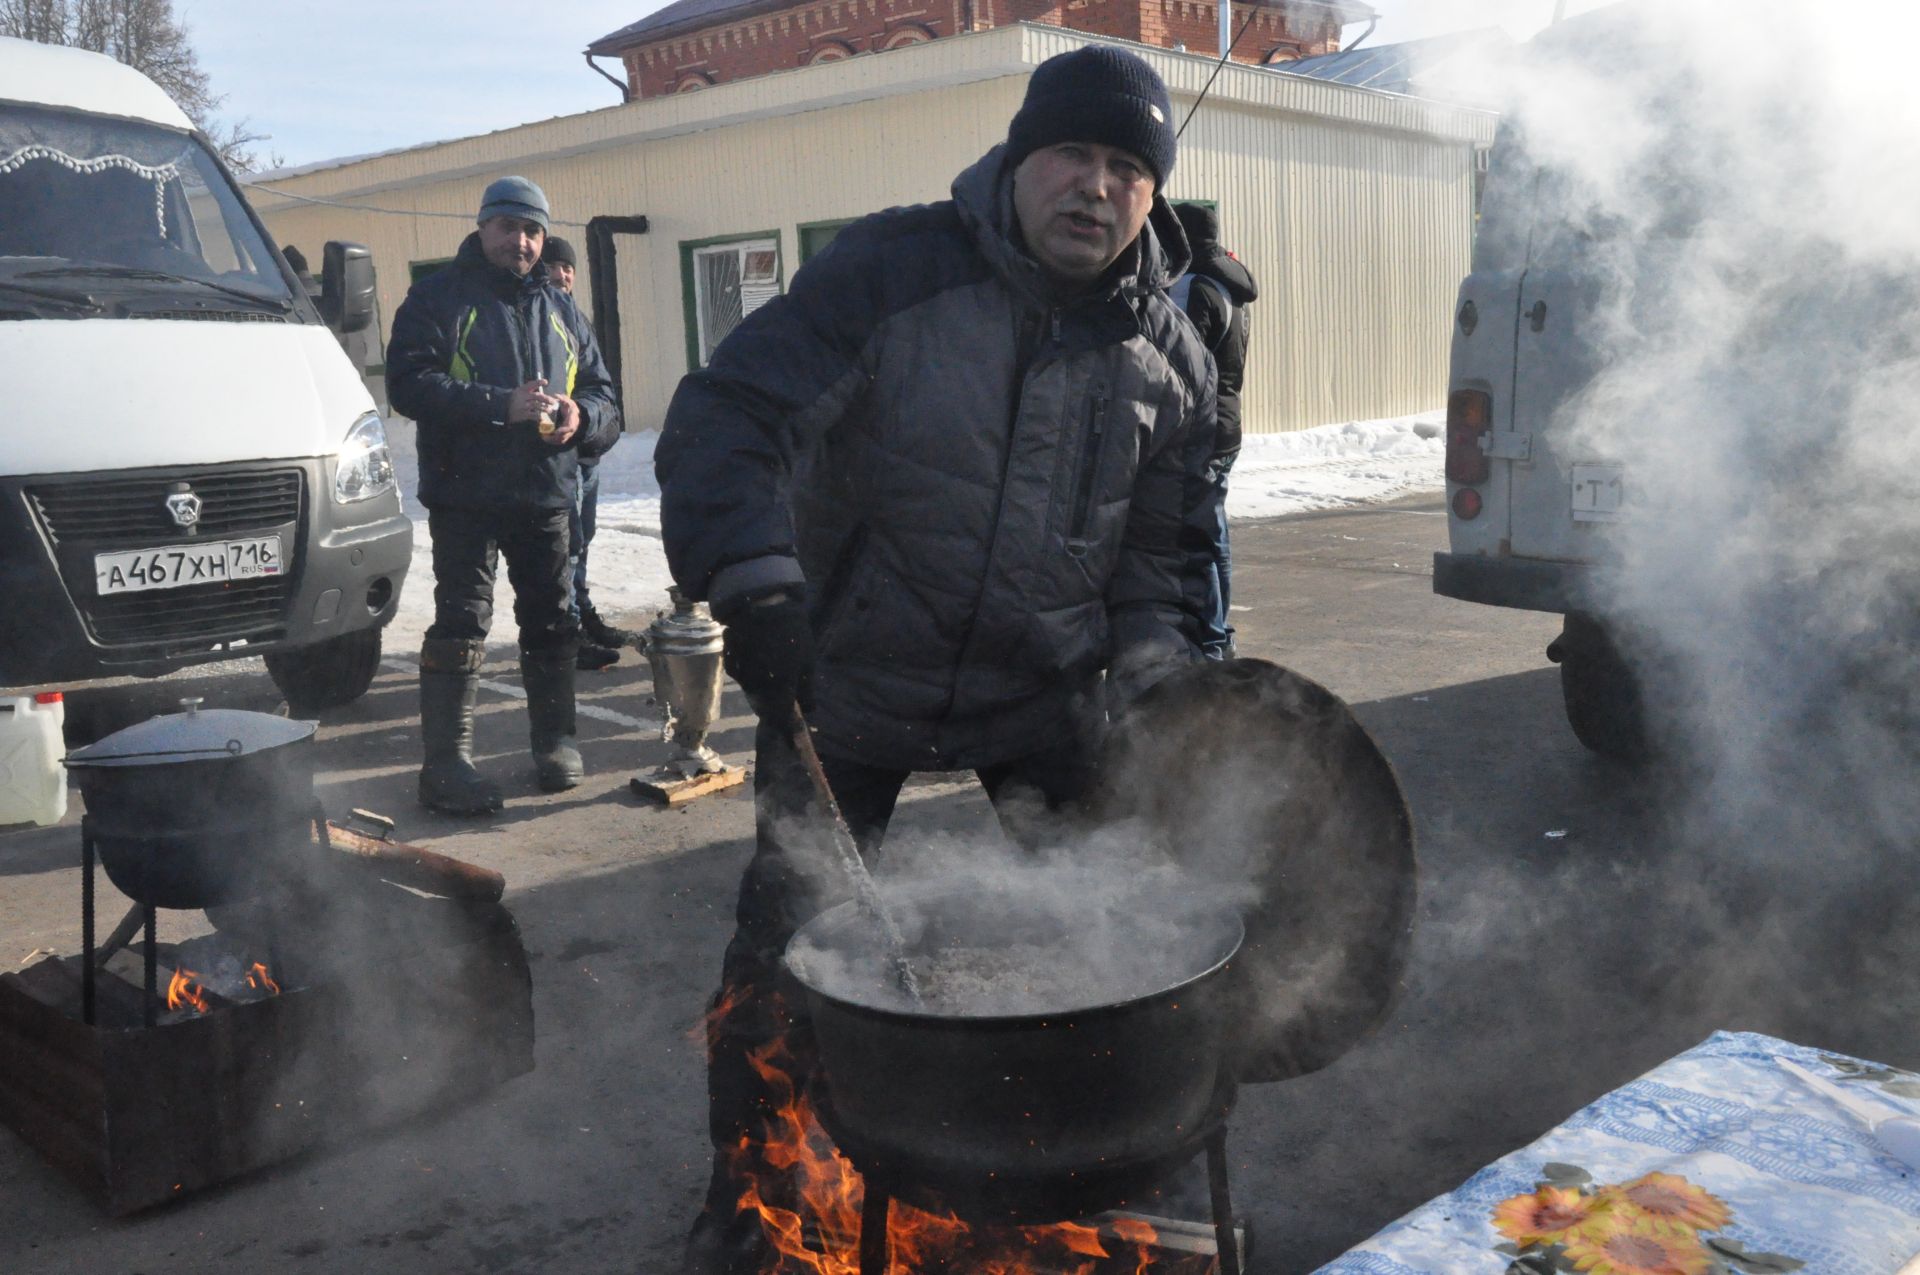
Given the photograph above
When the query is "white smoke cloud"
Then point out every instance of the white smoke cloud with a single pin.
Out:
(1724, 219)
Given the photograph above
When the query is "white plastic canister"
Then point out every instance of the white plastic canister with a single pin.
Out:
(33, 783)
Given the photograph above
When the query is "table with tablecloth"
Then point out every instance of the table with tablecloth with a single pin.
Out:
(1743, 1167)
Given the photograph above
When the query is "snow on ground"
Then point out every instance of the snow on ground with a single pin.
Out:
(1362, 462)
(627, 568)
(1359, 463)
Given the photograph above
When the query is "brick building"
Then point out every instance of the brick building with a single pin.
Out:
(694, 44)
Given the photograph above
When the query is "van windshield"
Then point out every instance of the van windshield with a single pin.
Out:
(104, 209)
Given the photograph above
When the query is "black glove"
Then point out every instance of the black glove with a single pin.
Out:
(769, 652)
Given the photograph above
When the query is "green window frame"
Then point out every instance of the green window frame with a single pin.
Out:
(418, 270)
(750, 281)
(816, 235)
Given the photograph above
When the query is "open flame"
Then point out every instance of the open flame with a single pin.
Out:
(189, 990)
(186, 990)
(808, 1198)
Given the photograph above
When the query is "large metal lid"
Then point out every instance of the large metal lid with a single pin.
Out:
(1252, 775)
(194, 735)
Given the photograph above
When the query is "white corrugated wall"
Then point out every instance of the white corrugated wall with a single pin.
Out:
(1354, 209)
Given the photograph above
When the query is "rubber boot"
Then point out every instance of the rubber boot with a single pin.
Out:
(548, 676)
(600, 633)
(592, 657)
(449, 680)
(723, 1240)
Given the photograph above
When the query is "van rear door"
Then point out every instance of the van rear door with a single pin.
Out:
(1561, 484)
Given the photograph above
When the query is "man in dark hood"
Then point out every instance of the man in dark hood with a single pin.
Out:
(1215, 293)
(935, 492)
(600, 642)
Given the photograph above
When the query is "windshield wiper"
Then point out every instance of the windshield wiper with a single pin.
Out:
(61, 296)
(163, 276)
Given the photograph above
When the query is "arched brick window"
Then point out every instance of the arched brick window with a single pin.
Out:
(1281, 53)
(829, 51)
(908, 33)
(693, 81)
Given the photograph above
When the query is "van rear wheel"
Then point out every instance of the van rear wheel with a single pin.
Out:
(327, 674)
(1605, 698)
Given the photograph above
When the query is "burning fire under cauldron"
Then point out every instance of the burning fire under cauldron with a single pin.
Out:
(1015, 1142)
(333, 955)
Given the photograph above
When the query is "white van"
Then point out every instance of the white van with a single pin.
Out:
(1529, 504)
(191, 469)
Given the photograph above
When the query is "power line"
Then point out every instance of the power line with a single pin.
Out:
(391, 212)
(1224, 55)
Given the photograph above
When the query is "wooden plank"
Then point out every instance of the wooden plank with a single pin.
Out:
(677, 792)
(424, 870)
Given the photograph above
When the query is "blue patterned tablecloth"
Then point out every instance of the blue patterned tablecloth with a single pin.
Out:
(1802, 1177)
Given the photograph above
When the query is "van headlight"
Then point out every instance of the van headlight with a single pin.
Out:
(366, 466)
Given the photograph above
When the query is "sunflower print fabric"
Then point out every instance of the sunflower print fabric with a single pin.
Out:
(1716, 1162)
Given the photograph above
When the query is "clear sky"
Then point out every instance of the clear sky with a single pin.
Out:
(343, 77)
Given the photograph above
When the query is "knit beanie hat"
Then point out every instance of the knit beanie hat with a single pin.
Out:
(514, 197)
(558, 251)
(1096, 94)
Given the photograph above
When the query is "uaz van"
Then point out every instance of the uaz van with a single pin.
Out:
(1530, 504)
(191, 469)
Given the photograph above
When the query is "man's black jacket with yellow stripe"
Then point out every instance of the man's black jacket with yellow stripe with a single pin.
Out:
(462, 340)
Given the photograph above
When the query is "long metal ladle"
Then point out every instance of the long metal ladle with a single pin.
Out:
(850, 861)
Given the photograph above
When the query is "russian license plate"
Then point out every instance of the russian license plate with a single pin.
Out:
(176, 566)
(1598, 491)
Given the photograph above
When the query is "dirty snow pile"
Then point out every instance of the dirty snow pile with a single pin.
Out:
(1358, 463)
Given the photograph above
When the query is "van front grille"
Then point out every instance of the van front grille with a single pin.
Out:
(201, 614)
(88, 515)
(131, 513)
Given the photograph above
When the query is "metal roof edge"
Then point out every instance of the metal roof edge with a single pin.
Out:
(638, 33)
(964, 59)
(1271, 88)
(995, 53)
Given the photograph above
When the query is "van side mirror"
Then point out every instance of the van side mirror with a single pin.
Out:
(346, 286)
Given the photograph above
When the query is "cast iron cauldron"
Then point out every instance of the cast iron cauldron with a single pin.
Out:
(196, 809)
(1042, 1115)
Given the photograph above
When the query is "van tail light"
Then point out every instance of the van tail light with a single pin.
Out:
(1469, 417)
(48, 697)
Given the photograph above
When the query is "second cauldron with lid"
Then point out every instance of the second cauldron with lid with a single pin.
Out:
(198, 808)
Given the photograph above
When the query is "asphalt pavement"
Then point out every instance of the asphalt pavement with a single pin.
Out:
(1573, 932)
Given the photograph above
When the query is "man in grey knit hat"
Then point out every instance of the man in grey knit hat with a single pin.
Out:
(935, 492)
(502, 376)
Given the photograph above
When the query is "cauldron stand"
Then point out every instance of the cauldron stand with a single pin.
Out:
(1008, 1199)
(149, 915)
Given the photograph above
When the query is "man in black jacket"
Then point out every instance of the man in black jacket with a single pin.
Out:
(504, 380)
(934, 492)
(600, 642)
(1215, 293)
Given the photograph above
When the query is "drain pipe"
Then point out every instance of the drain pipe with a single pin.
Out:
(617, 83)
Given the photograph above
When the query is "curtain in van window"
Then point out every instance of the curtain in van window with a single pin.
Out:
(84, 170)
